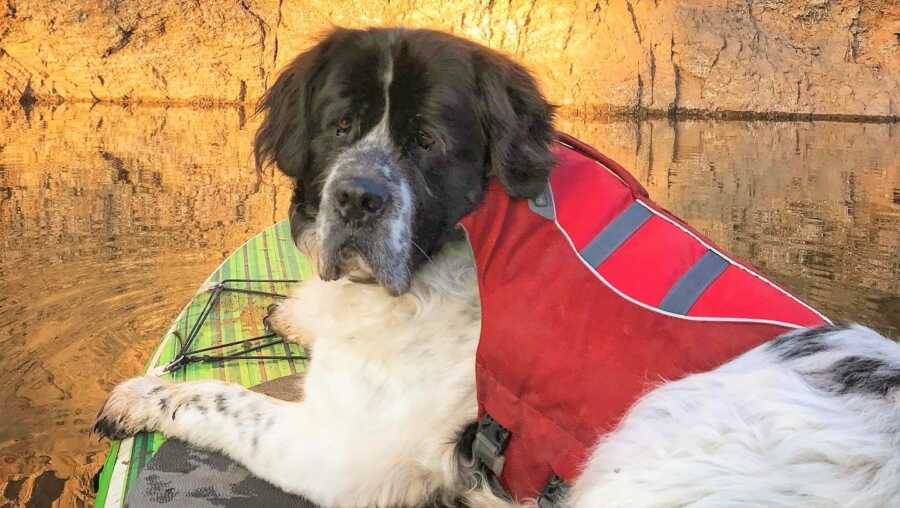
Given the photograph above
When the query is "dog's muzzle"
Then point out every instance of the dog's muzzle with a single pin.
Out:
(365, 222)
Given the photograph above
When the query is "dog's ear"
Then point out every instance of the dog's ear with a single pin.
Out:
(283, 135)
(518, 124)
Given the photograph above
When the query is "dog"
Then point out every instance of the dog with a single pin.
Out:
(391, 136)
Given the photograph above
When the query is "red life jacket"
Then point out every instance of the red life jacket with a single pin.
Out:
(591, 294)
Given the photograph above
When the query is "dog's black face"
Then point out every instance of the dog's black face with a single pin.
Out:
(391, 135)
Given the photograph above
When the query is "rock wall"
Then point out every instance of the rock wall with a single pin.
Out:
(763, 57)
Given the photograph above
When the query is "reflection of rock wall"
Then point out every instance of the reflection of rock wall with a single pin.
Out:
(172, 173)
(110, 219)
(803, 56)
(815, 205)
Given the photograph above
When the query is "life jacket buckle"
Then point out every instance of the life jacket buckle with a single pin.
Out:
(554, 493)
(542, 204)
(490, 442)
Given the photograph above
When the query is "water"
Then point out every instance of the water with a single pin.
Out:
(111, 218)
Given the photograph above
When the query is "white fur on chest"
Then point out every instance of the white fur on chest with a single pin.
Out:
(394, 376)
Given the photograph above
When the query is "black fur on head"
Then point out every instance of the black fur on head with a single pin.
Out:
(518, 122)
(391, 135)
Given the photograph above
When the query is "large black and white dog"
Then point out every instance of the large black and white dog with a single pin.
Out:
(390, 135)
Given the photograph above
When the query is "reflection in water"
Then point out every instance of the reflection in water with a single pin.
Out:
(111, 218)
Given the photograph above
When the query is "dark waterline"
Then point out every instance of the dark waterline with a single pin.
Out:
(111, 217)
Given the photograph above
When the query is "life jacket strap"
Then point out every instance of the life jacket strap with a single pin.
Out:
(490, 442)
(554, 493)
(685, 293)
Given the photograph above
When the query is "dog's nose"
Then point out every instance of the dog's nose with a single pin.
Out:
(360, 200)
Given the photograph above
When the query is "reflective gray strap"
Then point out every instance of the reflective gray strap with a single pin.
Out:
(543, 204)
(615, 233)
(693, 283)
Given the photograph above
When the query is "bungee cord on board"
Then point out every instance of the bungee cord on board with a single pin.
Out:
(186, 356)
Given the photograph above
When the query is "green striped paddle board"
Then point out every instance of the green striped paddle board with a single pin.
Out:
(226, 309)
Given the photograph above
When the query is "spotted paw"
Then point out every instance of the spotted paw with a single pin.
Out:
(132, 407)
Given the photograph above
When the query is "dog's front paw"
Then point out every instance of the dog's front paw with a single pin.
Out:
(133, 406)
(278, 321)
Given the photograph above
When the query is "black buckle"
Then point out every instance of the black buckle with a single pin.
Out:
(490, 441)
(554, 493)
(542, 204)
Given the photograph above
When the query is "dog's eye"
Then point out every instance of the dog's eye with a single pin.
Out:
(424, 140)
(343, 125)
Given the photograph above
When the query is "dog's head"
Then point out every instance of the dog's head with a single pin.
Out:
(390, 136)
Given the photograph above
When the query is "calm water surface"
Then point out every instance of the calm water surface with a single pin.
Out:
(110, 218)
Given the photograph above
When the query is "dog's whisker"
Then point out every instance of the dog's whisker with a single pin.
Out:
(416, 245)
(292, 212)
(420, 179)
(427, 188)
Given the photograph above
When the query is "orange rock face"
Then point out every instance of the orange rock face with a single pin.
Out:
(822, 57)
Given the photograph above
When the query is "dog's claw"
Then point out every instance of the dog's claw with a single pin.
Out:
(132, 406)
(267, 320)
(277, 321)
(110, 428)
